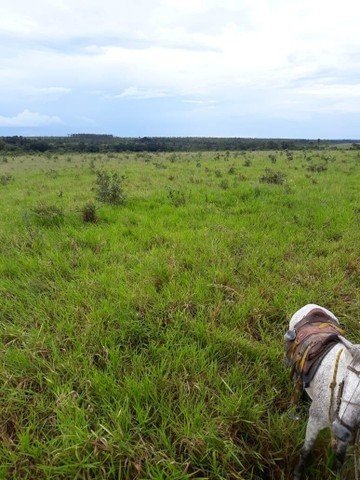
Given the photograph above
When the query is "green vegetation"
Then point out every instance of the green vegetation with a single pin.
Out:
(93, 143)
(145, 339)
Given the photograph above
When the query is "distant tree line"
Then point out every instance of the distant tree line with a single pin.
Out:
(93, 143)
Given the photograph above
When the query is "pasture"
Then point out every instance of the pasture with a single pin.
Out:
(149, 344)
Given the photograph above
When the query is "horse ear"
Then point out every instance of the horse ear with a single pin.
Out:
(290, 335)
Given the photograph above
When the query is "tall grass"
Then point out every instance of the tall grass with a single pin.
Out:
(149, 344)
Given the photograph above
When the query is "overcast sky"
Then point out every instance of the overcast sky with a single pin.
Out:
(265, 68)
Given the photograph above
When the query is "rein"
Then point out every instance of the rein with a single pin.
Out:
(340, 399)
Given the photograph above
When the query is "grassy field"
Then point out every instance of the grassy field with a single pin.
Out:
(150, 344)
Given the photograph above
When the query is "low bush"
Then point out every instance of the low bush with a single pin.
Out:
(272, 158)
(6, 178)
(176, 197)
(88, 212)
(317, 168)
(247, 162)
(273, 177)
(109, 188)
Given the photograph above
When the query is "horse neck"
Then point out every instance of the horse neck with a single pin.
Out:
(351, 387)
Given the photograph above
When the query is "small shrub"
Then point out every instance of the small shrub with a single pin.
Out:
(272, 158)
(48, 215)
(177, 197)
(218, 173)
(109, 188)
(317, 168)
(224, 184)
(247, 162)
(6, 178)
(231, 170)
(88, 212)
(160, 165)
(273, 177)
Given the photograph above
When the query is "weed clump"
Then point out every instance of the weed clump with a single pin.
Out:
(48, 215)
(272, 158)
(6, 178)
(88, 212)
(109, 188)
(273, 177)
(247, 162)
(317, 168)
(176, 197)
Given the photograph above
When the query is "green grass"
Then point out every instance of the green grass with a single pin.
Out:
(150, 344)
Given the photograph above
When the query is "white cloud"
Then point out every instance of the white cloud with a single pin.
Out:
(49, 91)
(332, 91)
(29, 119)
(201, 102)
(246, 55)
(140, 94)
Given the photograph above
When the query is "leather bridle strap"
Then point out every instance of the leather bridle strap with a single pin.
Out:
(352, 369)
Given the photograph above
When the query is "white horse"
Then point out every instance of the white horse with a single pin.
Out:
(335, 395)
